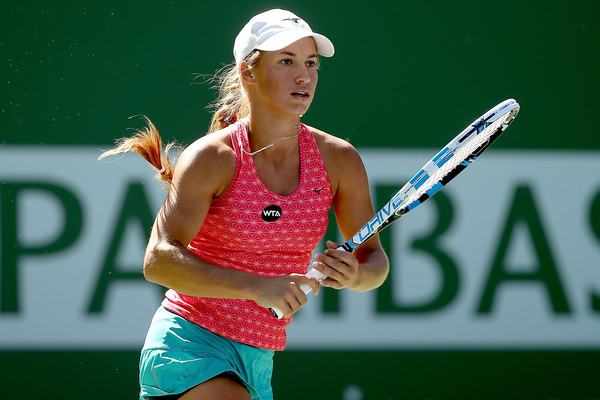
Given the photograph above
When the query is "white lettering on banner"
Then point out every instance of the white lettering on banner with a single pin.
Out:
(507, 256)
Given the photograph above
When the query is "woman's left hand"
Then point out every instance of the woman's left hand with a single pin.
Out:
(339, 265)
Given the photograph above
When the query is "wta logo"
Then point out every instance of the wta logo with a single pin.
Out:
(271, 213)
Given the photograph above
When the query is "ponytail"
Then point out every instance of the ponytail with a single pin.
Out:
(230, 106)
(147, 143)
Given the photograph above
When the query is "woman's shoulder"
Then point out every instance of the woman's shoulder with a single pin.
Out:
(341, 159)
(212, 157)
(334, 148)
(212, 148)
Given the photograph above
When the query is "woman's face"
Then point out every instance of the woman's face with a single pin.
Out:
(285, 80)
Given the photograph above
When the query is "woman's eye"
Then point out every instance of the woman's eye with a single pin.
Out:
(310, 64)
(313, 64)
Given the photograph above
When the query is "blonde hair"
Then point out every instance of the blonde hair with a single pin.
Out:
(230, 106)
(147, 143)
(232, 102)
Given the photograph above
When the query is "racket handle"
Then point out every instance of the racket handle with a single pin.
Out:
(305, 288)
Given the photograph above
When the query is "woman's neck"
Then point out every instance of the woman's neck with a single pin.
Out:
(265, 132)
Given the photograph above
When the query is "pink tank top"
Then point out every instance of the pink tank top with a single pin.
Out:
(252, 229)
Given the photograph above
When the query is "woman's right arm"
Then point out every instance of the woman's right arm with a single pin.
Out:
(204, 171)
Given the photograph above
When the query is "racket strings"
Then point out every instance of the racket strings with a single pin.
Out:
(462, 156)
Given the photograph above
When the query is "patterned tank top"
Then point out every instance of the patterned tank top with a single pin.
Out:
(252, 229)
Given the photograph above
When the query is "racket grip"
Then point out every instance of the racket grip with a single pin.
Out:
(277, 313)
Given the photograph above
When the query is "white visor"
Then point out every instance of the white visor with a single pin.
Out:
(274, 30)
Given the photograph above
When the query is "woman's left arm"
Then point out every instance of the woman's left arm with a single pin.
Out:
(368, 267)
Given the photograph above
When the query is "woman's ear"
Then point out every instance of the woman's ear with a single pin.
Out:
(246, 73)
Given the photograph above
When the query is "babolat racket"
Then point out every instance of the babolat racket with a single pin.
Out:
(434, 175)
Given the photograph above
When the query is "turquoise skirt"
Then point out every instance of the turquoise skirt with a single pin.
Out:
(179, 355)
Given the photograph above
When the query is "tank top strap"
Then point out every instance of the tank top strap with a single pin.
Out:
(239, 137)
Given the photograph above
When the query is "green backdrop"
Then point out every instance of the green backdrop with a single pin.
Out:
(407, 74)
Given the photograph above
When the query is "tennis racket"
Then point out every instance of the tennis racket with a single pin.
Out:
(451, 160)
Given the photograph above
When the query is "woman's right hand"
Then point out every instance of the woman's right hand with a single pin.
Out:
(284, 292)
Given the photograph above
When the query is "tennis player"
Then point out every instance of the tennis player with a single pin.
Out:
(246, 207)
